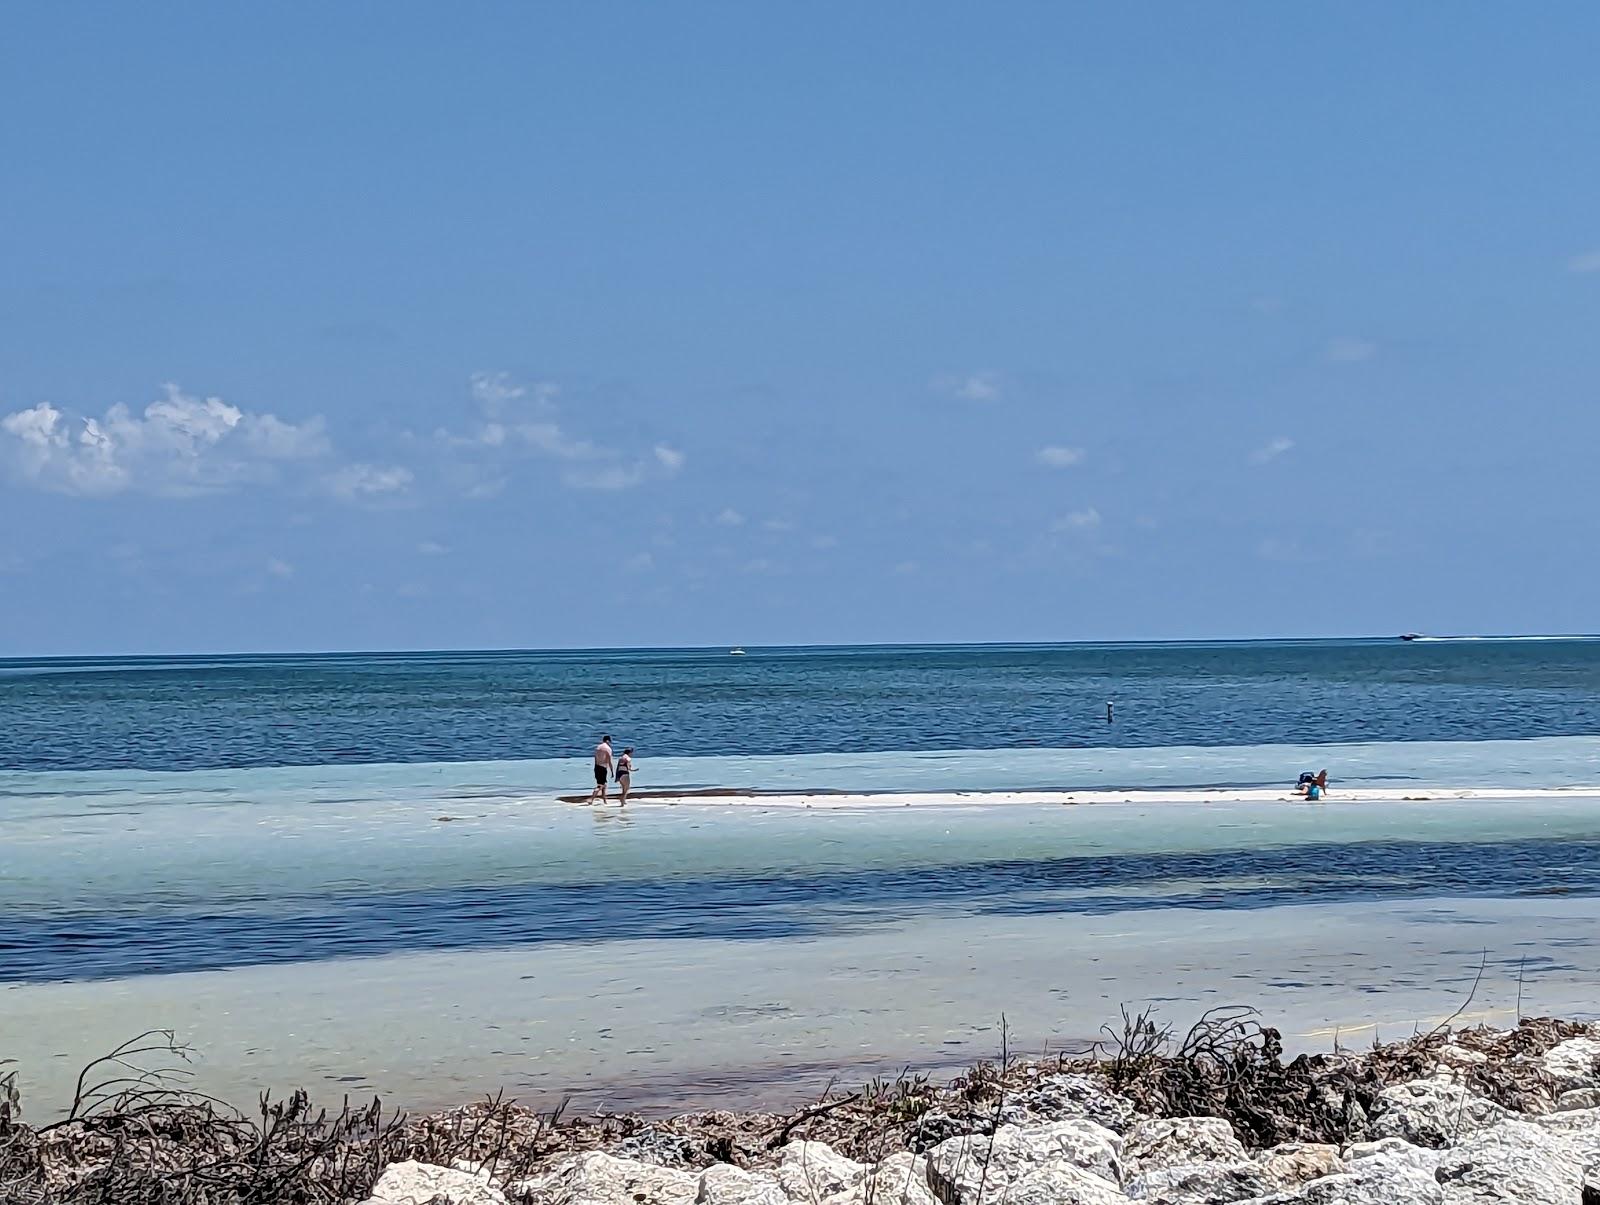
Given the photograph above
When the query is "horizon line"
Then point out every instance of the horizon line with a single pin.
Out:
(511, 650)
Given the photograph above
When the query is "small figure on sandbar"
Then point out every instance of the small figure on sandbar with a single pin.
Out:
(602, 769)
(1312, 786)
(625, 773)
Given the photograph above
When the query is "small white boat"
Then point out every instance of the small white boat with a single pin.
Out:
(736, 652)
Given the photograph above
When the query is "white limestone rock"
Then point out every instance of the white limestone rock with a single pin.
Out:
(963, 1171)
(596, 1178)
(1571, 1064)
(1291, 1164)
(413, 1183)
(1060, 1183)
(724, 1184)
(1199, 1184)
(1169, 1142)
(1393, 1150)
(1515, 1163)
(901, 1179)
(809, 1172)
(1432, 1112)
(1376, 1182)
(1568, 1121)
(1578, 1098)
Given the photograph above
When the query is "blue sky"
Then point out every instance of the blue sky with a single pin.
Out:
(358, 326)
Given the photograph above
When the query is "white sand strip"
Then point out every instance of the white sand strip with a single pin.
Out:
(1143, 796)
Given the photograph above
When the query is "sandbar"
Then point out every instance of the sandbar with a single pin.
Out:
(727, 796)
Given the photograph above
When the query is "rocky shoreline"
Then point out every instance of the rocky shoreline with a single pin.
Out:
(1214, 1116)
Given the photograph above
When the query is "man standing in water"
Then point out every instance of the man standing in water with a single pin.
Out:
(602, 768)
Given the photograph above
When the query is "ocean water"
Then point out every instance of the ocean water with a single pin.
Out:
(180, 838)
(234, 712)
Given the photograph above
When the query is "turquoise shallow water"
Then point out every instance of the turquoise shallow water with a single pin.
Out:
(132, 872)
(695, 1022)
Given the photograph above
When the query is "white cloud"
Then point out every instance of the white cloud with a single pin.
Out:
(550, 439)
(518, 419)
(35, 427)
(639, 562)
(1078, 520)
(1583, 264)
(356, 482)
(273, 437)
(971, 387)
(432, 548)
(907, 567)
(495, 391)
(1057, 457)
(1272, 450)
(777, 525)
(178, 445)
(823, 543)
(1349, 350)
(729, 518)
(512, 415)
(279, 568)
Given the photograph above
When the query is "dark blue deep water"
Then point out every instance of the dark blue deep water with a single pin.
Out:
(188, 713)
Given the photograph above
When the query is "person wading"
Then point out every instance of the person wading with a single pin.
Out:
(625, 773)
(602, 769)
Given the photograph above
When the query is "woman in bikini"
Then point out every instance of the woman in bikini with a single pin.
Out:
(625, 771)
